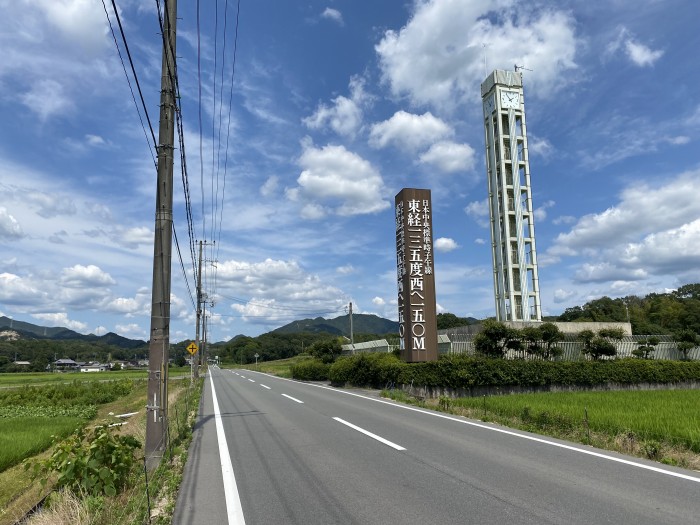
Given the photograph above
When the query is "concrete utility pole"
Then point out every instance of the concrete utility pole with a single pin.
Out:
(195, 357)
(159, 345)
(352, 337)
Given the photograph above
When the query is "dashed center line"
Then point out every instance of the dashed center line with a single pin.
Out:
(251, 380)
(264, 386)
(370, 434)
(293, 399)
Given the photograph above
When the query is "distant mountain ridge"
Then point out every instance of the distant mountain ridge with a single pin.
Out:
(362, 323)
(59, 333)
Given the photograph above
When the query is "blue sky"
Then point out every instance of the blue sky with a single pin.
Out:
(336, 106)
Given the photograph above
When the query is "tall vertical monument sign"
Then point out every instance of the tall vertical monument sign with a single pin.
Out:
(415, 273)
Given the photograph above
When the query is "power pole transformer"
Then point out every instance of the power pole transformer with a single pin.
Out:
(159, 343)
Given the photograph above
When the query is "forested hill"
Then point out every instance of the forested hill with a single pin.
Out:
(656, 313)
(362, 323)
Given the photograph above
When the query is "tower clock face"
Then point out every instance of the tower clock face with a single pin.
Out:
(510, 99)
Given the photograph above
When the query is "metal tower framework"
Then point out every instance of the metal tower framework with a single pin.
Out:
(515, 277)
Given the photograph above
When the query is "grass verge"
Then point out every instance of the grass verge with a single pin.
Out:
(657, 425)
(18, 493)
(280, 367)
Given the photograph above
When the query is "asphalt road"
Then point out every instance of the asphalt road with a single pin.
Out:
(308, 454)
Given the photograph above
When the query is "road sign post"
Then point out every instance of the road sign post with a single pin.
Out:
(192, 349)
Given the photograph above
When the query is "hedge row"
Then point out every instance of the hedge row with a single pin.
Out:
(311, 370)
(378, 370)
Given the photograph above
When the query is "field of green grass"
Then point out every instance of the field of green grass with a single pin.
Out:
(281, 367)
(35, 378)
(672, 416)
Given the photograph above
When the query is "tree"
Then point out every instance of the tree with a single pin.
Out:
(646, 347)
(327, 350)
(686, 340)
(550, 336)
(600, 347)
(495, 338)
(531, 337)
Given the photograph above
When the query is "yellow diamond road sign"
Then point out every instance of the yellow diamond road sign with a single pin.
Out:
(192, 348)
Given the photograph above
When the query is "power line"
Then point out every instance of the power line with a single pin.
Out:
(133, 70)
(128, 80)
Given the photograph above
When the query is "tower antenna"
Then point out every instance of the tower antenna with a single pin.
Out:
(520, 68)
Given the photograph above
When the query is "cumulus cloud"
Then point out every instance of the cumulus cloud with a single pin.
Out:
(61, 319)
(80, 276)
(445, 244)
(561, 296)
(270, 186)
(17, 290)
(639, 54)
(346, 180)
(541, 211)
(9, 227)
(378, 301)
(449, 157)
(50, 206)
(408, 131)
(276, 291)
(36, 99)
(333, 14)
(345, 270)
(344, 116)
(479, 211)
(437, 57)
(670, 205)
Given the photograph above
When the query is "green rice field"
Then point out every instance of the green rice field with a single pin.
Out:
(671, 416)
(22, 437)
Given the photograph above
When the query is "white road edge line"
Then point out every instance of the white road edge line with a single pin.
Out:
(264, 386)
(503, 431)
(293, 399)
(234, 510)
(368, 433)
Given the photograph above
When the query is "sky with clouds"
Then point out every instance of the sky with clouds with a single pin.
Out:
(295, 157)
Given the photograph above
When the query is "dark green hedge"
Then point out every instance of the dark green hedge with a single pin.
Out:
(311, 370)
(378, 370)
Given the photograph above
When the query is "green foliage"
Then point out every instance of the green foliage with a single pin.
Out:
(686, 340)
(458, 371)
(98, 463)
(311, 370)
(76, 393)
(646, 347)
(365, 369)
(448, 320)
(326, 350)
(495, 338)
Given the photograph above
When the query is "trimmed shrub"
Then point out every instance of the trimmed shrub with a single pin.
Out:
(311, 370)
(457, 371)
(376, 370)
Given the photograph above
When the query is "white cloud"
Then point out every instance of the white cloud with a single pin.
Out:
(639, 54)
(334, 174)
(61, 319)
(449, 157)
(438, 56)
(47, 98)
(90, 276)
(541, 212)
(344, 117)
(540, 147)
(276, 291)
(564, 219)
(18, 290)
(670, 205)
(347, 269)
(480, 241)
(445, 244)
(479, 211)
(561, 296)
(408, 131)
(333, 14)
(9, 227)
(270, 186)
(378, 301)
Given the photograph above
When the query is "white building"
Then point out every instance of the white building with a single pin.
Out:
(515, 278)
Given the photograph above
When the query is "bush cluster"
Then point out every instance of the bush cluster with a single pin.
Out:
(378, 370)
(311, 370)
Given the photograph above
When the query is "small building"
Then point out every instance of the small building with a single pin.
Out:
(94, 367)
(22, 363)
(65, 364)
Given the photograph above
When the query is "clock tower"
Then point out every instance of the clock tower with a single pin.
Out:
(515, 279)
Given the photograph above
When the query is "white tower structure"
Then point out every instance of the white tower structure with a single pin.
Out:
(515, 279)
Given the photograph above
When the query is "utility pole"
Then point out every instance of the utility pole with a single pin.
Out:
(195, 357)
(352, 337)
(159, 344)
